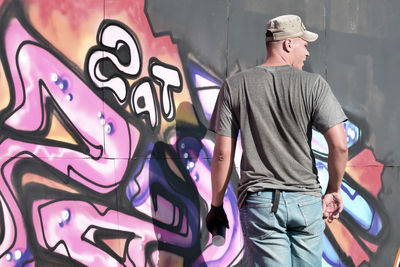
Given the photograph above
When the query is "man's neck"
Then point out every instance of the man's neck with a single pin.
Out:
(276, 59)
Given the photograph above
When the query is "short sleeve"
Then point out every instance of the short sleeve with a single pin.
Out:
(327, 111)
(223, 120)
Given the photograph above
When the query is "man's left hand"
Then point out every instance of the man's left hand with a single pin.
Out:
(216, 217)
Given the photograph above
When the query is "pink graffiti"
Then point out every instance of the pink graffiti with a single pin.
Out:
(228, 253)
(33, 70)
(78, 227)
(107, 143)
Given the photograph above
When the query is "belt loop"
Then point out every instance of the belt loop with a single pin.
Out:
(276, 201)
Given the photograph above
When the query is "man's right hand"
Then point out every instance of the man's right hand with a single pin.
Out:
(216, 217)
(332, 206)
(332, 203)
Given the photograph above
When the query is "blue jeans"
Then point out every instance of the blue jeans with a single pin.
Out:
(290, 237)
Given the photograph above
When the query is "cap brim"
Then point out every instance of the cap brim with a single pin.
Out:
(309, 36)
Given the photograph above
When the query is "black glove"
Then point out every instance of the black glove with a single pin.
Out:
(216, 217)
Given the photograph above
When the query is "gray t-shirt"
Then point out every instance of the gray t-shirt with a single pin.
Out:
(275, 108)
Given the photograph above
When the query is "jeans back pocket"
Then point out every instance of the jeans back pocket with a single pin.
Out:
(256, 218)
(311, 211)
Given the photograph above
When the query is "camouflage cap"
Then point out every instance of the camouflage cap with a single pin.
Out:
(289, 26)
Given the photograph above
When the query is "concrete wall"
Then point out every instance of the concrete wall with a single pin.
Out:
(104, 152)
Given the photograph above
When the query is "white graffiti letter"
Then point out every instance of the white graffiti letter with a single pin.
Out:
(144, 101)
(112, 38)
(170, 79)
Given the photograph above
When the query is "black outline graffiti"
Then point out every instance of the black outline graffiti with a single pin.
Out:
(154, 61)
(145, 114)
(115, 72)
(347, 220)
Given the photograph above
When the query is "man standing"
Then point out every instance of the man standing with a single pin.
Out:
(275, 106)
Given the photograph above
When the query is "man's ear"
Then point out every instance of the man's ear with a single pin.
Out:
(288, 45)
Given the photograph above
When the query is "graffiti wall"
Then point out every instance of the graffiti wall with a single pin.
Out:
(104, 150)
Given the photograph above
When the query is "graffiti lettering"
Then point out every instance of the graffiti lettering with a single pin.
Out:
(114, 40)
(170, 80)
(144, 101)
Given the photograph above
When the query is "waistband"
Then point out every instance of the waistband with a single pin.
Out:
(277, 196)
